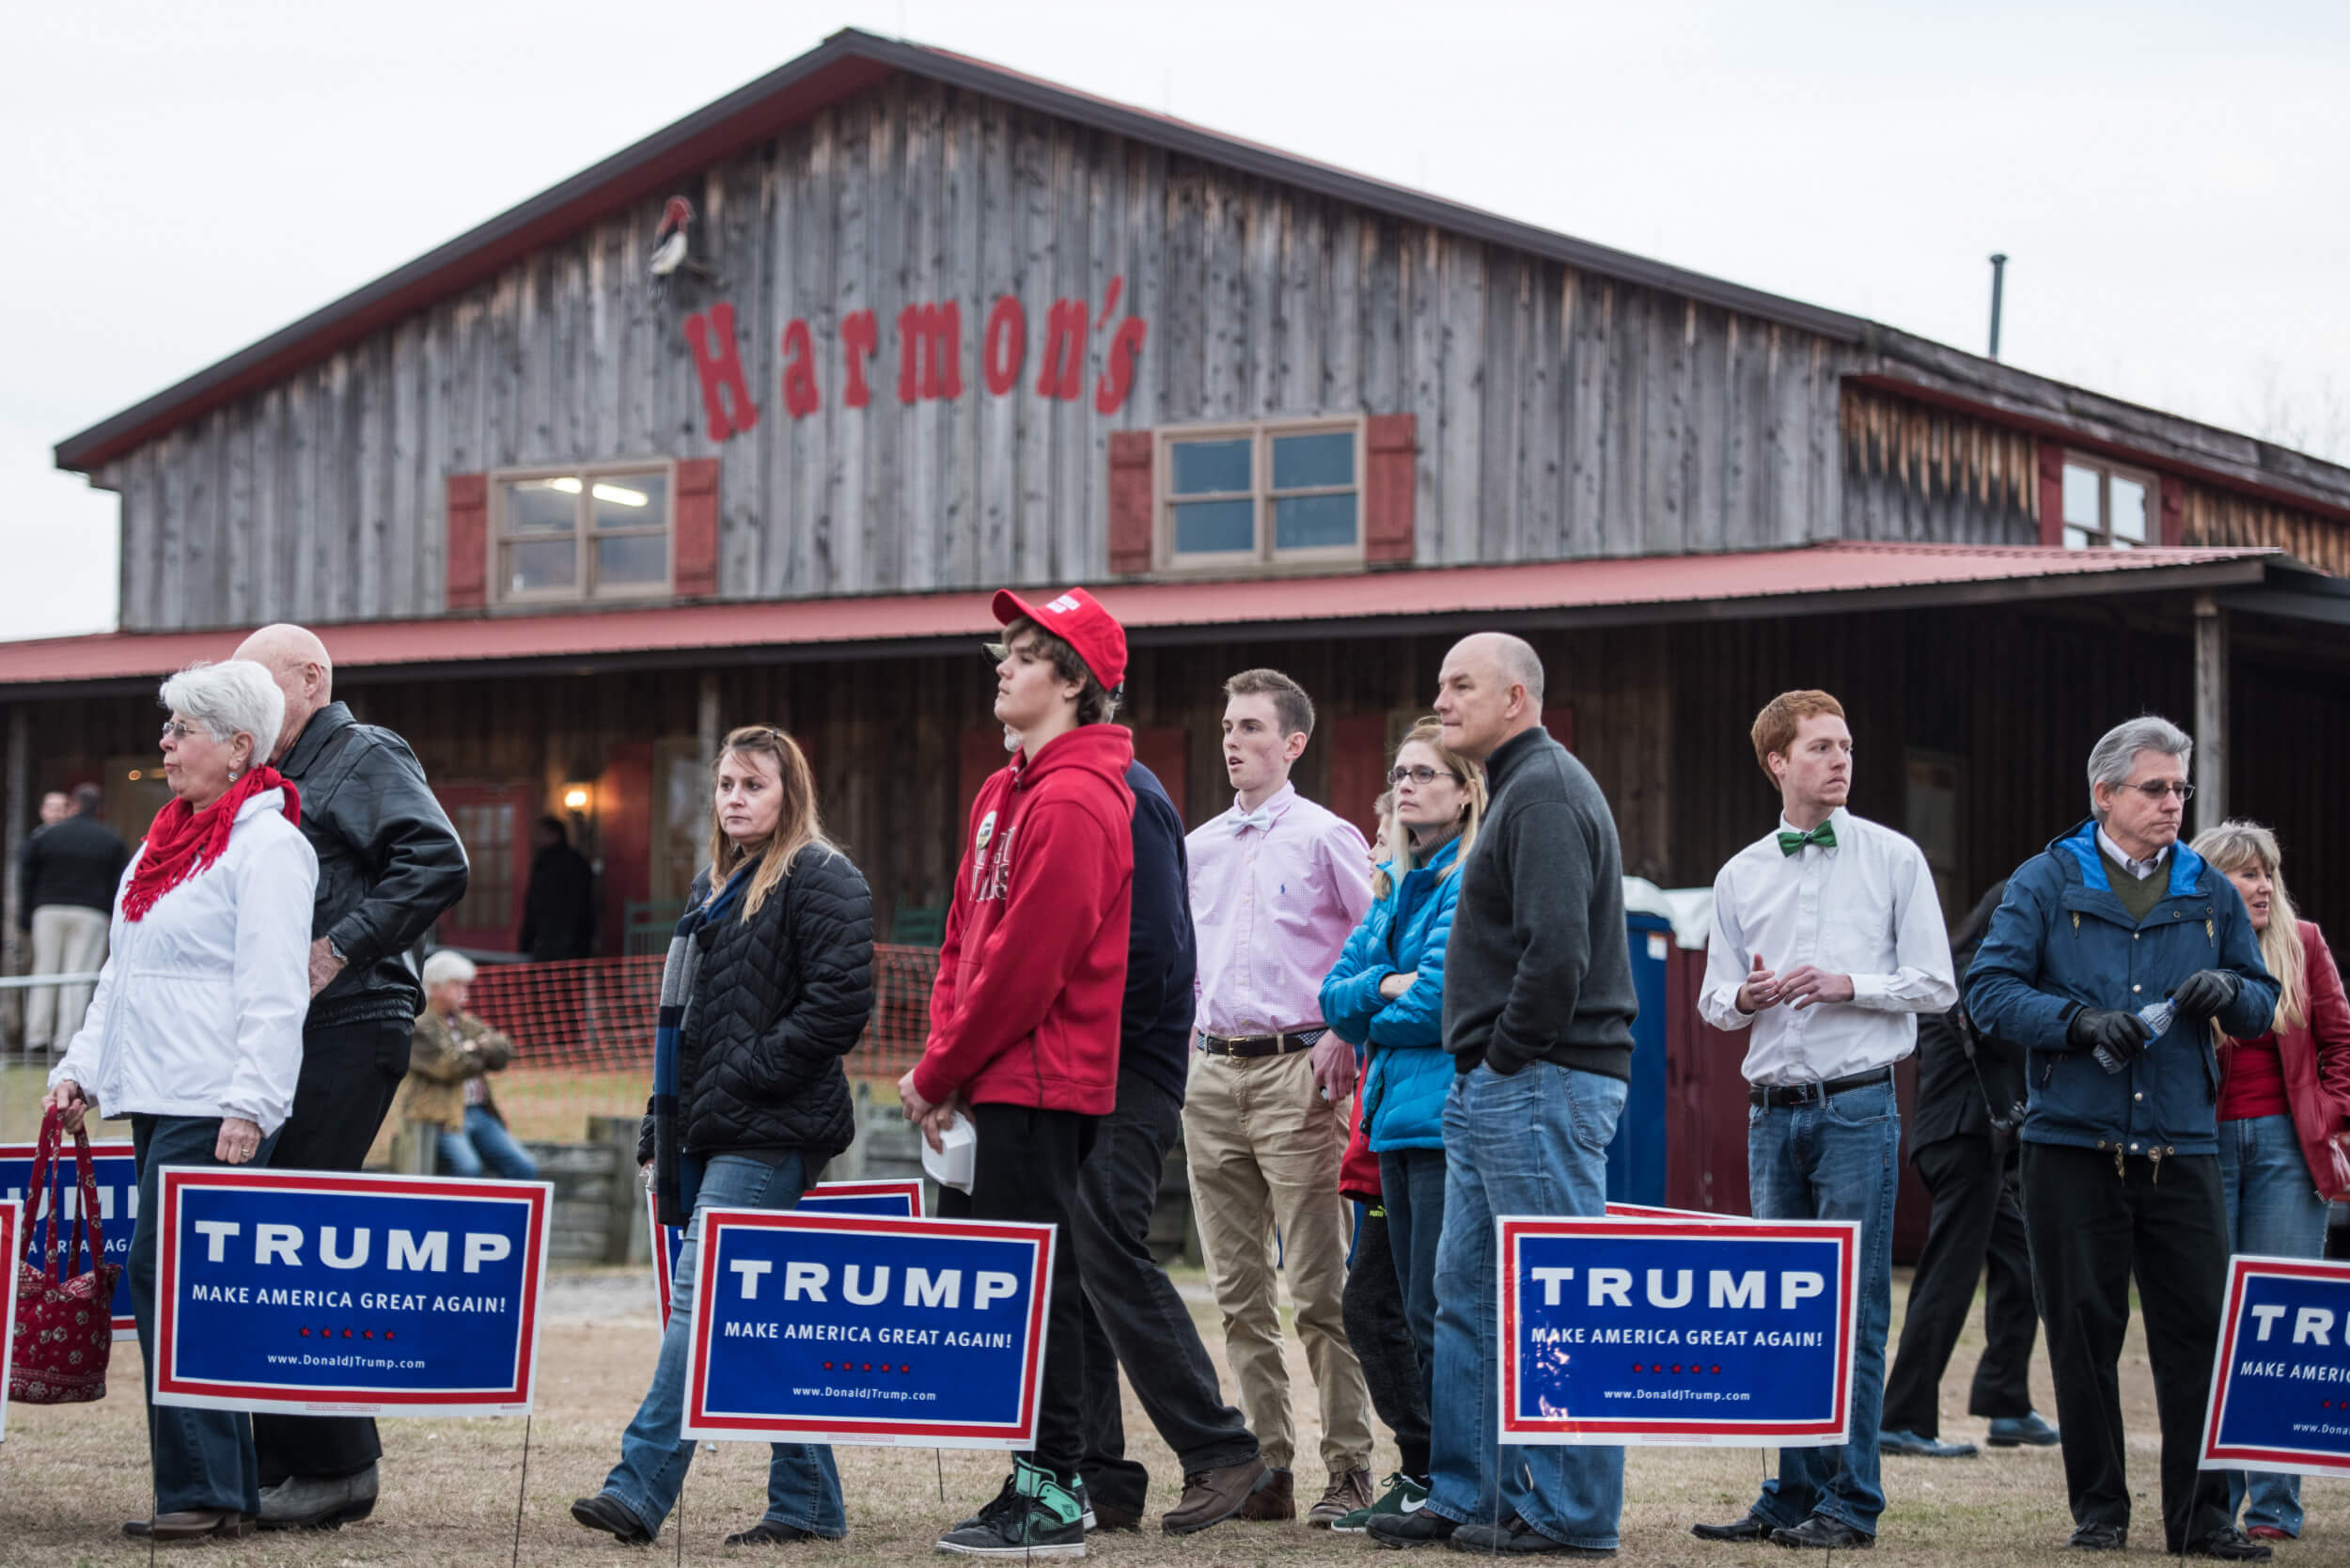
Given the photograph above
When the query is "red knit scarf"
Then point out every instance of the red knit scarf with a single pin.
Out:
(181, 843)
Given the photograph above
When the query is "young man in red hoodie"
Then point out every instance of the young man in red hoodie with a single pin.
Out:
(1024, 1014)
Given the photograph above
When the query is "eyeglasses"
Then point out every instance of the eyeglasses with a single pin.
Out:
(2157, 788)
(1422, 776)
(997, 653)
(179, 730)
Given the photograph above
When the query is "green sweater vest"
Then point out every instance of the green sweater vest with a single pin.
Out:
(2138, 895)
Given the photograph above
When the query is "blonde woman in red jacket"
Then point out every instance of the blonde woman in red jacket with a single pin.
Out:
(2282, 1099)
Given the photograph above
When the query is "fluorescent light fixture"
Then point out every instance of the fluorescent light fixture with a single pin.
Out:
(619, 496)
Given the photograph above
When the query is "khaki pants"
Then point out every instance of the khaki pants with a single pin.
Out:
(1264, 1151)
(68, 939)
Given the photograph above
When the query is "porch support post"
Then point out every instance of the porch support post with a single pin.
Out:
(707, 732)
(2211, 713)
(17, 806)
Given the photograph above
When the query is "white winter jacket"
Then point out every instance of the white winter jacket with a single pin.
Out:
(198, 1010)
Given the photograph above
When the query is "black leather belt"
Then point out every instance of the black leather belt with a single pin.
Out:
(1246, 1046)
(1780, 1096)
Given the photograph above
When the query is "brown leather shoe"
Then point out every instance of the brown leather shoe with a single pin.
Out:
(1275, 1498)
(190, 1524)
(1347, 1491)
(1211, 1497)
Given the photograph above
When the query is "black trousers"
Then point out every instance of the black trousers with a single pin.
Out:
(2091, 1229)
(1976, 1222)
(1381, 1333)
(1026, 1169)
(350, 1072)
(1134, 1315)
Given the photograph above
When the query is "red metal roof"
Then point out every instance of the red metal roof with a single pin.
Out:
(1740, 584)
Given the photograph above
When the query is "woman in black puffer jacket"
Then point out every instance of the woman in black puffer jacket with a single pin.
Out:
(768, 984)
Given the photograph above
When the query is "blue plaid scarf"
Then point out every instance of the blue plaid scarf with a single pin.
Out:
(678, 1175)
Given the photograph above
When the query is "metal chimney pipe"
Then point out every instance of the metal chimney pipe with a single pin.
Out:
(1999, 281)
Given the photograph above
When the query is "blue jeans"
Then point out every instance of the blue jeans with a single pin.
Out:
(2273, 1212)
(1834, 1159)
(202, 1459)
(485, 1141)
(1532, 1143)
(803, 1487)
(1412, 1188)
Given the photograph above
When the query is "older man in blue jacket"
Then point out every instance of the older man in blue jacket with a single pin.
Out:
(2120, 1169)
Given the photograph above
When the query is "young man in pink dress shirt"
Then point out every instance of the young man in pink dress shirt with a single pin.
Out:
(1277, 884)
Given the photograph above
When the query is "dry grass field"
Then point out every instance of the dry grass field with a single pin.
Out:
(69, 1477)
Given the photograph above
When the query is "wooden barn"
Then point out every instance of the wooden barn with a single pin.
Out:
(744, 422)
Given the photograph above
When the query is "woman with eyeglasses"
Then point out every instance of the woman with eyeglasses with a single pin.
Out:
(2283, 1098)
(1385, 996)
(194, 1031)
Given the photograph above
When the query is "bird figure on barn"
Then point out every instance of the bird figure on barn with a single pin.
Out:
(672, 246)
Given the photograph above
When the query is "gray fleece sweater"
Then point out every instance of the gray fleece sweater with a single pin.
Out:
(1539, 968)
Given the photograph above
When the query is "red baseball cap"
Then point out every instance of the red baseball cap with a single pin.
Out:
(1078, 620)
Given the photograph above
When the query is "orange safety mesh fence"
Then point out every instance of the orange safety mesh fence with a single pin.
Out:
(583, 1033)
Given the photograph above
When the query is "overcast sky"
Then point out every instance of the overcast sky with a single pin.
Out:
(2169, 178)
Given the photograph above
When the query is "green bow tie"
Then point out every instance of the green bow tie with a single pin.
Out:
(1823, 836)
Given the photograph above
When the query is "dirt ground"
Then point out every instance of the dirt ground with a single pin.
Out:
(69, 1476)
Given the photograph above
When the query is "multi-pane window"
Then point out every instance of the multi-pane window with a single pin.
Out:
(2108, 508)
(599, 532)
(1259, 495)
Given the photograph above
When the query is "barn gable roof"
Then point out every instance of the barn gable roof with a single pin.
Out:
(852, 60)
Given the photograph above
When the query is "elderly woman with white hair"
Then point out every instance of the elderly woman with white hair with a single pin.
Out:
(194, 1032)
(449, 1088)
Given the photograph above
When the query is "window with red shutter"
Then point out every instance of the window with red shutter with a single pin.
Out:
(1276, 494)
(467, 557)
(595, 532)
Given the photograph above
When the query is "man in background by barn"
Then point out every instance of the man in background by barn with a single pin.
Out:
(66, 899)
(1538, 1009)
(389, 863)
(559, 901)
(1827, 943)
(1277, 884)
(2121, 1158)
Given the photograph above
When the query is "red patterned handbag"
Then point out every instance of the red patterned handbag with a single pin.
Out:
(64, 1323)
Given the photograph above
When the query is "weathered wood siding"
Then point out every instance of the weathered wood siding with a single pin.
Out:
(1916, 472)
(2210, 516)
(1558, 414)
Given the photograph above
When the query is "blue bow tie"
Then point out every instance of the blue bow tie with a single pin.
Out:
(1261, 819)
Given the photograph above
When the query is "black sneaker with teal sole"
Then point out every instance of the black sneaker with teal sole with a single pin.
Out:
(1006, 1498)
(1403, 1496)
(1037, 1514)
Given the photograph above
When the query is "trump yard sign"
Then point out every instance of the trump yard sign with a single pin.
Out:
(854, 1328)
(312, 1294)
(1675, 1329)
(2281, 1387)
(117, 1175)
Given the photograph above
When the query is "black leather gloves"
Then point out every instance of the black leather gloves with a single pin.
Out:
(2204, 992)
(2114, 1035)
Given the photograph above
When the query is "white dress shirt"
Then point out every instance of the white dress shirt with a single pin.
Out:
(1866, 908)
(2141, 870)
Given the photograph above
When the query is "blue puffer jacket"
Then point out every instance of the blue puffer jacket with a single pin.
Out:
(2062, 941)
(1410, 1070)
